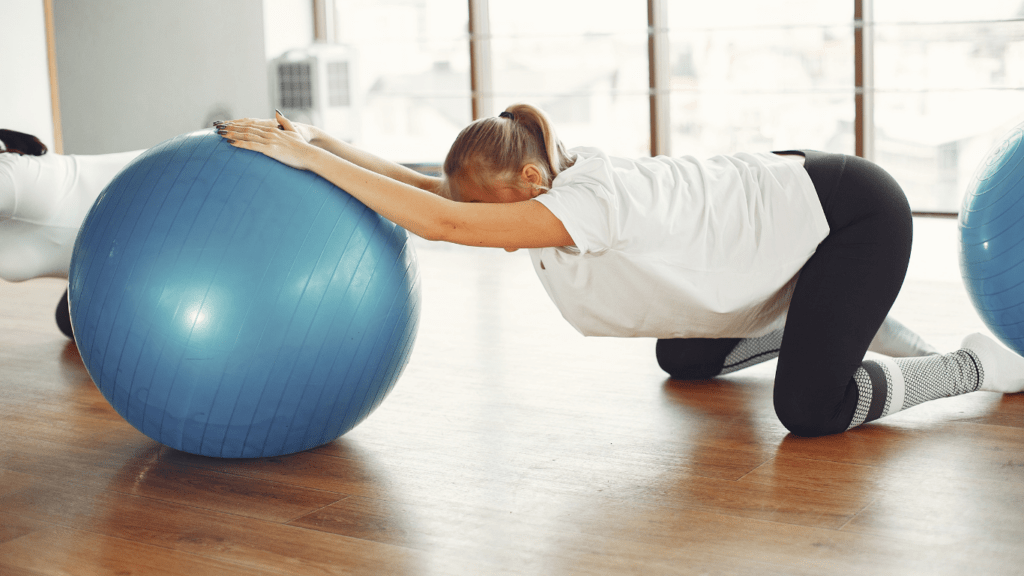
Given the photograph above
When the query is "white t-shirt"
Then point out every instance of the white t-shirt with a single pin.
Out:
(43, 201)
(679, 247)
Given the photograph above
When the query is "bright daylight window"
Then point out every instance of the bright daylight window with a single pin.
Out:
(583, 61)
(743, 75)
(749, 75)
(412, 71)
(949, 83)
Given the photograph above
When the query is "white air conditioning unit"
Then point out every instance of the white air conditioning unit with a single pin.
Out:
(317, 85)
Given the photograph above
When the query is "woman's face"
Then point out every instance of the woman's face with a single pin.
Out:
(498, 191)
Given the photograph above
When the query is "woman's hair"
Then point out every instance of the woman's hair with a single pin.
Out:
(21, 143)
(497, 148)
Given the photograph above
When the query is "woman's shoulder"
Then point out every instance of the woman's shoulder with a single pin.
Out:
(590, 164)
(585, 155)
(592, 173)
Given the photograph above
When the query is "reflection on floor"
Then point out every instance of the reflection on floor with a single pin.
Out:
(512, 445)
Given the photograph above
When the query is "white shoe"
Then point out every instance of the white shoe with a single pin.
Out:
(1003, 369)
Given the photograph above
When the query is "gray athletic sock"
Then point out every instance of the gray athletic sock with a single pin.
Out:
(888, 385)
(750, 351)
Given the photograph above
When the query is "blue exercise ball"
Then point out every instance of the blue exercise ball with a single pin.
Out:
(228, 305)
(992, 240)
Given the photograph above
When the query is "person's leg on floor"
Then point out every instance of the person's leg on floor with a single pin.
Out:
(843, 294)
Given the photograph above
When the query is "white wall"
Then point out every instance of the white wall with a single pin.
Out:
(288, 24)
(24, 77)
(134, 73)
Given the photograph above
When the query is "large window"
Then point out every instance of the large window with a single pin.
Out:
(949, 82)
(411, 69)
(583, 62)
(941, 82)
(760, 75)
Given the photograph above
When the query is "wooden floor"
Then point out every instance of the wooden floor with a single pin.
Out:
(512, 445)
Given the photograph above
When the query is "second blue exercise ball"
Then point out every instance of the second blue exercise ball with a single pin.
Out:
(992, 240)
(228, 305)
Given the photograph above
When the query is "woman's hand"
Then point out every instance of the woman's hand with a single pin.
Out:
(308, 132)
(278, 139)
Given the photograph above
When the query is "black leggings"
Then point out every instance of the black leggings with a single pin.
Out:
(841, 299)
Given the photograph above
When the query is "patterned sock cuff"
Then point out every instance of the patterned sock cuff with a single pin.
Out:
(750, 351)
(875, 387)
(863, 381)
(972, 372)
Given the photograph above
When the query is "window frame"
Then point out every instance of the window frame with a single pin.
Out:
(862, 23)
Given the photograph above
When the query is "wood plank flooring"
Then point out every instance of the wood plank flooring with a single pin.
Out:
(512, 445)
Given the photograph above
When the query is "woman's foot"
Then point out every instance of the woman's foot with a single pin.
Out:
(896, 340)
(1002, 369)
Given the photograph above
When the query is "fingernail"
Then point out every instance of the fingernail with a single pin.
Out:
(230, 141)
(221, 131)
(218, 122)
(278, 112)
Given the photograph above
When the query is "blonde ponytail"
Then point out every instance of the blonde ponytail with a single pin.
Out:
(498, 148)
(539, 125)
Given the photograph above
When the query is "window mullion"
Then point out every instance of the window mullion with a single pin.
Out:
(660, 76)
(481, 82)
(864, 78)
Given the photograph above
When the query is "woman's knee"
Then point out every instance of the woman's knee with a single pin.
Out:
(810, 417)
(693, 358)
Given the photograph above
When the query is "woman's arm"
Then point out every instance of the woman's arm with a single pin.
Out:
(511, 226)
(358, 156)
(375, 163)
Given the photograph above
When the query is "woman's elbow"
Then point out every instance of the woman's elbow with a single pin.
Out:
(445, 230)
(442, 223)
(434, 229)
(433, 234)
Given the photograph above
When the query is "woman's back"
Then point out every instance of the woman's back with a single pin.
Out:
(679, 247)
